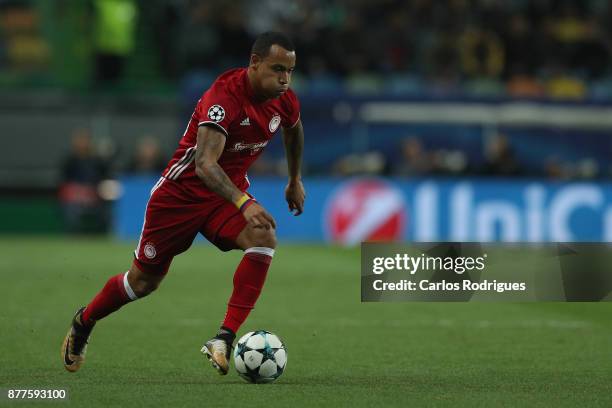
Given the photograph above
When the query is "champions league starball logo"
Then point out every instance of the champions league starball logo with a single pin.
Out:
(365, 210)
(216, 113)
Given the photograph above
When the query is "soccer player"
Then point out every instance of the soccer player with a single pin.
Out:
(204, 190)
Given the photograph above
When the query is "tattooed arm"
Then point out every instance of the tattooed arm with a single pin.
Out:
(211, 143)
(209, 148)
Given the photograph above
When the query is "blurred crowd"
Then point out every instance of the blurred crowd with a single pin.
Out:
(88, 177)
(522, 48)
(497, 158)
(554, 48)
(90, 161)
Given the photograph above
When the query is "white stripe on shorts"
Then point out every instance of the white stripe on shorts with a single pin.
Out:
(155, 187)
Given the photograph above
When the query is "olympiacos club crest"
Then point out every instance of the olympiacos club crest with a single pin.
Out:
(365, 210)
(149, 250)
(274, 122)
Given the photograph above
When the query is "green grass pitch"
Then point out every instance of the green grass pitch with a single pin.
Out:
(341, 352)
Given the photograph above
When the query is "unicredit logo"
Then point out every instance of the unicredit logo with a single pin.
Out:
(471, 210)
(510, 212)
(365, 210)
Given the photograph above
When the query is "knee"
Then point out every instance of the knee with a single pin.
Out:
(264, 238)
(143, 284)
(144, 287)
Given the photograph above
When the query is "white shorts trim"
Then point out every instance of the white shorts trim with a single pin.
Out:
(155, 187)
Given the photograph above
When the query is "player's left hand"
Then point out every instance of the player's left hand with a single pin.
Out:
(295, 196)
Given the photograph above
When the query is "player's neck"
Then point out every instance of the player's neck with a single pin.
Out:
(256, 93)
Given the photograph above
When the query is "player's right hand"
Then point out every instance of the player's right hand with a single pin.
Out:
(258, 217)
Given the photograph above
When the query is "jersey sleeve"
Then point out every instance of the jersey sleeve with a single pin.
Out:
(217, 108)
(291, 107)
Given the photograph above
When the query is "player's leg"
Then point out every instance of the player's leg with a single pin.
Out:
(168, 230)
(258, 245)
(118, 291)
(122, 289)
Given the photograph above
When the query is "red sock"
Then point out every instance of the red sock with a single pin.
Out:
(112, 296)
(248, 281)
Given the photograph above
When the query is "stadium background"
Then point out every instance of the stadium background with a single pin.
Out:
(425, 120)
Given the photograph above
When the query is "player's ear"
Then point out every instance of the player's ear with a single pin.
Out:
(255, 61)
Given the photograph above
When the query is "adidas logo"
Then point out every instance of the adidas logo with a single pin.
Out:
(245, 122)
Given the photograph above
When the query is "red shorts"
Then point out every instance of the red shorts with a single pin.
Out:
(172, 221)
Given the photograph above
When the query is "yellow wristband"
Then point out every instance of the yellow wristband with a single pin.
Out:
(242, 200)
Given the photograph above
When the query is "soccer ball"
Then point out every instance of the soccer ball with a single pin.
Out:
(260, 357)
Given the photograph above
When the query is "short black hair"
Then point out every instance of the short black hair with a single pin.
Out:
(264, 41)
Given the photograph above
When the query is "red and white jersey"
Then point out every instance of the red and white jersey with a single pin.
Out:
(229, 106)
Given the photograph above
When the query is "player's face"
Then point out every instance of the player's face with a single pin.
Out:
(273, 72)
